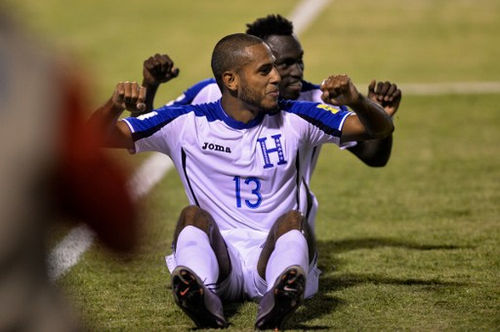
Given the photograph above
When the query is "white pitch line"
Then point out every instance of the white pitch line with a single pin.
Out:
(305, 12)
(429, 89)
(69, 250)
(67, 253)
(150, 173)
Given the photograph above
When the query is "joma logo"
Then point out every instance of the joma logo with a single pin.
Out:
(216, 147)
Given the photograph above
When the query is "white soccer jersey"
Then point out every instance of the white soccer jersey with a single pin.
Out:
(208, 91)
(244, 175)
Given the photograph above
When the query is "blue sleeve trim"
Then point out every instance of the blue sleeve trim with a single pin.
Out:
(149, 123)
(324, 116)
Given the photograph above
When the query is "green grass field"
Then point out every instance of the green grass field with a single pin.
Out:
(411, 246)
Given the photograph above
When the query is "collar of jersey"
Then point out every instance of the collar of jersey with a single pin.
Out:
(235, 123)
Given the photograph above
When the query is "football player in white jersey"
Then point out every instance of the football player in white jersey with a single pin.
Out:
(277, 32)
(240, 160)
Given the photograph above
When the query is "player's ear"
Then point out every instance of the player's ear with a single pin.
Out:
(230, 80)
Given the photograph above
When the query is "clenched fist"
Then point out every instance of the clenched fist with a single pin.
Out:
(386, 94)
(130, 96)
(158, 69)
(339, 90)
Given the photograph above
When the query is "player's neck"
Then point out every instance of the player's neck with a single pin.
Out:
(238, 110)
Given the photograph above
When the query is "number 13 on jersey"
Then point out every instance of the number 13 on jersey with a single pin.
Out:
(251, 184)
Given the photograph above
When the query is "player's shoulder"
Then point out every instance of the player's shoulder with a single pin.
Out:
(311, 92)
(168, 113)
(305, 114)
(296, 106)
(207, 110)
(309, 108)
(198, 93)
(202, 84)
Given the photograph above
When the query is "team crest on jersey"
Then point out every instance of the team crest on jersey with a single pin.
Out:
(267, 151)
(328, 108)
(216, 147)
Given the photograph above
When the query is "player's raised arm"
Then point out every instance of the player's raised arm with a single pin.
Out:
(156, 69)
(370, 121)
(127, 95)
(376, 152)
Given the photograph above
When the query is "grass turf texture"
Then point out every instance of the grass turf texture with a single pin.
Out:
(411, 246)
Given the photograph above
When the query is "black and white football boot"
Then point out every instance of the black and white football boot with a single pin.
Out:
(201, 304)
(277, 305)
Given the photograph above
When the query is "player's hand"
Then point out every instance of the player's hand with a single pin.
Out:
(339, 90)
(386, 94)
(130, 96)
(158, 69)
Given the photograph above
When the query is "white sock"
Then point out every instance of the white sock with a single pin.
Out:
(290, 249)
(193, 250)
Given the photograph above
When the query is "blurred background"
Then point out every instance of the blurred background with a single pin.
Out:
(405, 41)
(413, 245)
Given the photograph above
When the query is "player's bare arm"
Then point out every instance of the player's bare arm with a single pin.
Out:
(376, 152)
(127, 95)
(156, 69)
(370, 121)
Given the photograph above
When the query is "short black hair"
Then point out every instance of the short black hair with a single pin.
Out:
(229, 54)
(270, 25)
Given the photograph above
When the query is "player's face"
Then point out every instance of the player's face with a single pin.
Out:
(259, 79)
(288, 53)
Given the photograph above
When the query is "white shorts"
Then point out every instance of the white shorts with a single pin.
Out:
(244, 282)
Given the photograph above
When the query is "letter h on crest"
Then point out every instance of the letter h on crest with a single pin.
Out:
(266, 151)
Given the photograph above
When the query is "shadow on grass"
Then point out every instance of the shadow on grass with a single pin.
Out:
(370, 243)
(323, 303)
(329, 249)
(346, 280)
(320, 305)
